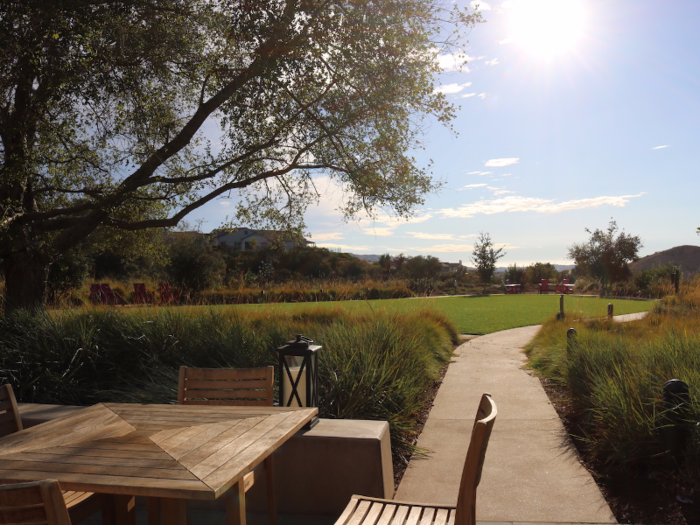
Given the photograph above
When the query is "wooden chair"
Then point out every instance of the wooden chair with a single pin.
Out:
(80, 505)
(34, 503)
(370, 511)
(232, 387)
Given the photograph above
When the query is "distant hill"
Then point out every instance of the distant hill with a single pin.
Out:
(687, 257)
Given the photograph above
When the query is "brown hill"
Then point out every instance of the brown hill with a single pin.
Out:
(687, 257)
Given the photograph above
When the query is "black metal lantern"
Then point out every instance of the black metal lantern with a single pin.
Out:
(298, 374)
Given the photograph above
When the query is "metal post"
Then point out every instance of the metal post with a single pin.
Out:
(610, 310)
(561, 305)
(675, 431)
(571, 335)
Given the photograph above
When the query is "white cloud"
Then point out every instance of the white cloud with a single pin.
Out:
(335, 236)
(516, 203)
(454, 61)
(432, 236)
(480, 173)
(470, 186)
(467, 95)
(500, 163)
(505, 41)
(492, 62)
(480, 6)
(482, 96)
(452, 88)
(661, 147)
(225, 204)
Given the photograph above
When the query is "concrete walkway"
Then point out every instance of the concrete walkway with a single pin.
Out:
(531, 473)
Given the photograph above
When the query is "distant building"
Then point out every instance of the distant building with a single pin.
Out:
(453, 267)
(250, 239)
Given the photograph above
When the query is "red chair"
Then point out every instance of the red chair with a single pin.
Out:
(167, 295)
(544, 286)
(96, 294)
(141, 295)
(109, 296)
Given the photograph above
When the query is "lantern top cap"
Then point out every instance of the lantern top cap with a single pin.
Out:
(299, 346)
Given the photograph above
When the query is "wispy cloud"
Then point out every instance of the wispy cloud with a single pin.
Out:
(470, 186)
(433, 236)
(482, 96)
(500, 163)
(348, 247)
(661, 147)
(446, 248)
(379, 232)
(384, 225)
(225, 204)
(452, 88)
(507, 40)
(523, 204)
(334, 236)
(492, 62)
(499, 191)
(467, 95)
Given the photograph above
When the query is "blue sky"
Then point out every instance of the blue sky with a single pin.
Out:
(559, 130)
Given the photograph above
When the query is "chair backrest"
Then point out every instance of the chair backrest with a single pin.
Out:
(10, 420)
(226, 386)
(471, 475)
(35, 503)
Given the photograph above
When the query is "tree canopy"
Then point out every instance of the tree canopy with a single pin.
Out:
(606, 256)
(118, 116)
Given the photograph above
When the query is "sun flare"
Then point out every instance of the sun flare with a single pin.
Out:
(546, 27)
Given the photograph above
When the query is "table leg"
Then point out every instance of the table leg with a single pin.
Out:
(235, 504)
(174, 511)
(125, 509)
(153, 505)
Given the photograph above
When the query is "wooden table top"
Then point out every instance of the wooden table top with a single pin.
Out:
(172, 451)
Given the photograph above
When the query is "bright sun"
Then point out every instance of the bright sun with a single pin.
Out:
(546, 27)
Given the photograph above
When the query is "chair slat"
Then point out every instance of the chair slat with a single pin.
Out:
(427, 516)
(401, 514)
(193, 384)
(387, 516)
(441, 517)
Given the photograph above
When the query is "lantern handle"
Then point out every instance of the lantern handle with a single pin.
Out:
(301, 342)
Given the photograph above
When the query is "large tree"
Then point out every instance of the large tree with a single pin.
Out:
(606, 255)
(127, 115)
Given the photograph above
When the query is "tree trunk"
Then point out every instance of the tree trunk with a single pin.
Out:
(25, 281)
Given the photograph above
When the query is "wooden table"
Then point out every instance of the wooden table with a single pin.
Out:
(171, 452)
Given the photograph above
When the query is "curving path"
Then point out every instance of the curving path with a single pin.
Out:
(531, 473)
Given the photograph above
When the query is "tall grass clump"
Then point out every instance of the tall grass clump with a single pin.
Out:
(615, 374)
(374, 365)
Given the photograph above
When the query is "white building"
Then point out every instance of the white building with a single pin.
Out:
(249, 239)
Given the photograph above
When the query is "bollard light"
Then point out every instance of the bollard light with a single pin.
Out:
(298, 374)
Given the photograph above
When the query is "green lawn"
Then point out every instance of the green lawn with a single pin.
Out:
(482, 315)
